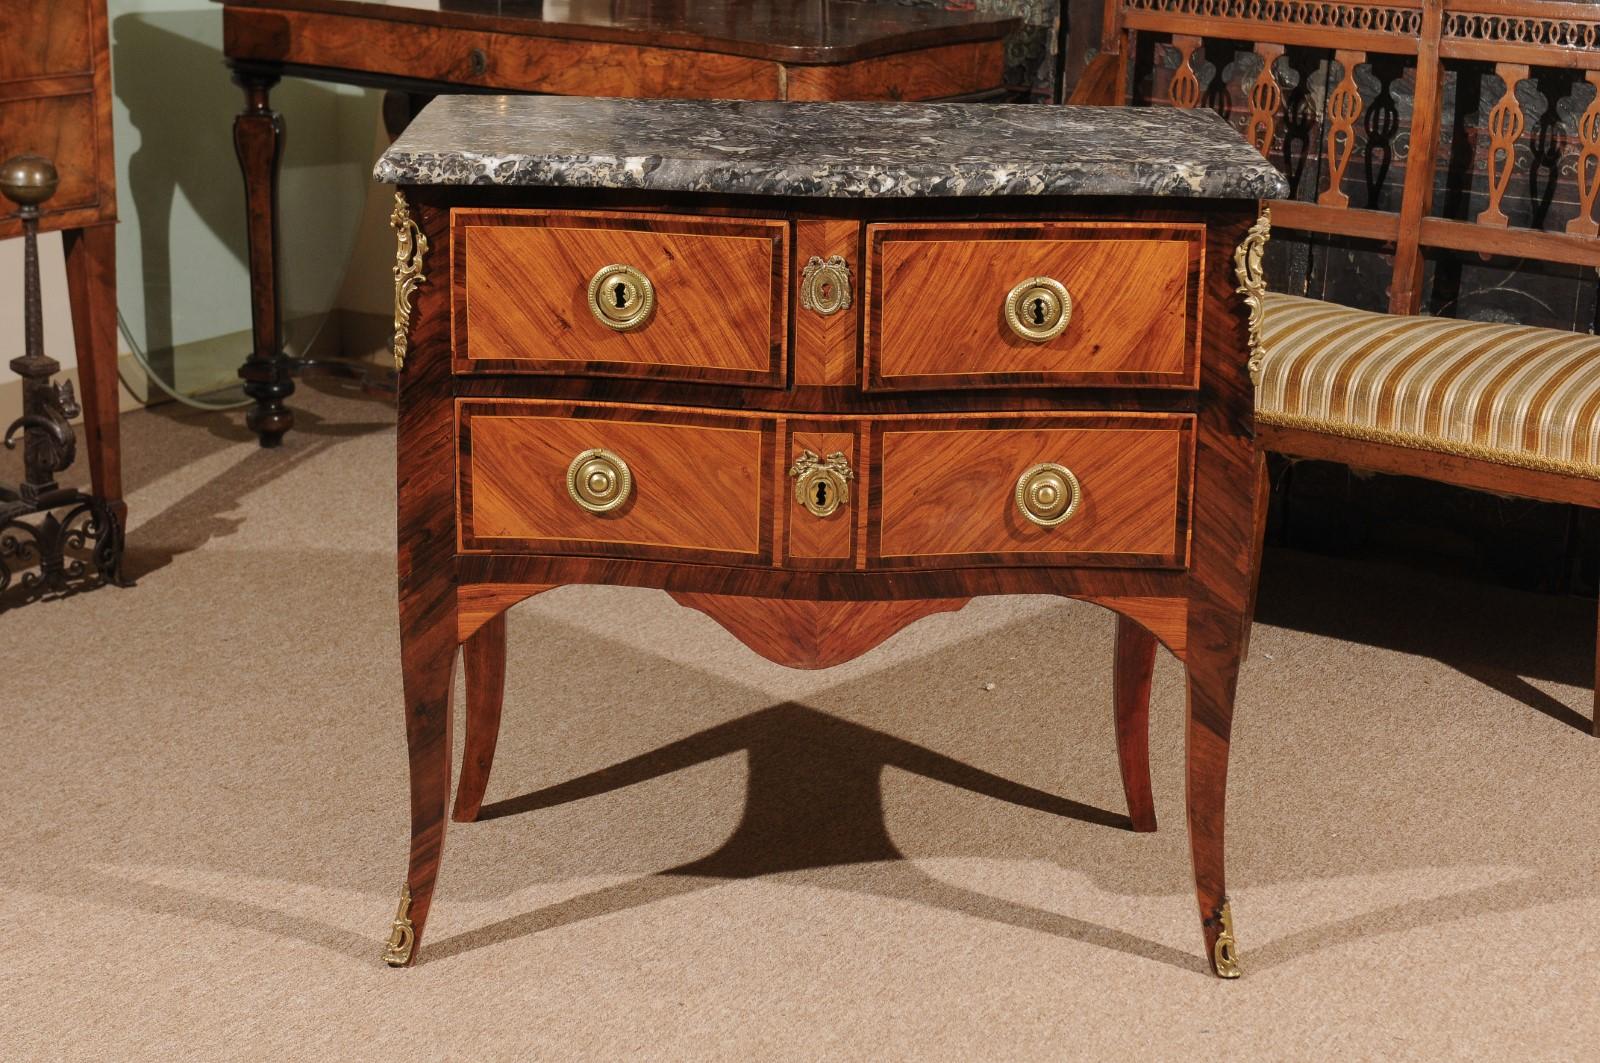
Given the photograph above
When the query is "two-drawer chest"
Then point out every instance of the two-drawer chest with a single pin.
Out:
(820, 370)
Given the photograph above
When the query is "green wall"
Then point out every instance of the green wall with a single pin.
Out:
(181, 244)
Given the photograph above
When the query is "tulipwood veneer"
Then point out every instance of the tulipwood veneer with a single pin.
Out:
(926, 515)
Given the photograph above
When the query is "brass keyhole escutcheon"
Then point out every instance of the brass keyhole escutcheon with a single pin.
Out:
(822, 485)
(1038, 309)
(599, 481)
(825, 285)
(621, 297)
(1048, 494)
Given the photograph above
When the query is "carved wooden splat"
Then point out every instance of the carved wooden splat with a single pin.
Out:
(1506, 123)
(1588, 166)
(1266, 99)
(1184, 91)
(1344, 107)
(801, 634)
(479, 603)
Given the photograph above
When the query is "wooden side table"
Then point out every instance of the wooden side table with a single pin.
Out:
(819, 374)
(728, 49)
(55, 102)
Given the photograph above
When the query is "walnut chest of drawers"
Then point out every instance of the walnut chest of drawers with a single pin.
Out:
(820, 370)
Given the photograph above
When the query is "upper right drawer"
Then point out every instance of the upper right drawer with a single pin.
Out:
(1085, 304)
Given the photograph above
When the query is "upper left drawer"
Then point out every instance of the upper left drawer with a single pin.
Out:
(665, 296)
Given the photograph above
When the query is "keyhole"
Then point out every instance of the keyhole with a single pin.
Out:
(822, 493)
(826, 291)
(1038, 311)
(621, 292)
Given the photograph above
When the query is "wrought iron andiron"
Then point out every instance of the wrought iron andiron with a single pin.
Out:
(75, 542)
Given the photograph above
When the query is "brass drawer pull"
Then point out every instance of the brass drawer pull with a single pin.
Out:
(822, 486)
(1039, 309)
(621, 297)
(599, 481)
(1048, 494)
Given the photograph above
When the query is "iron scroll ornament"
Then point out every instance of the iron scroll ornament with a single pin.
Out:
(1253, 286)
(411, 250)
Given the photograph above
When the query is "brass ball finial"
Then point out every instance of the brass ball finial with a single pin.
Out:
(28, 180)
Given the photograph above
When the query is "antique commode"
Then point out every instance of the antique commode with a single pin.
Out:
(820, 370)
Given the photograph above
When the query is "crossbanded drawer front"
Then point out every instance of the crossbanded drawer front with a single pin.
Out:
(615, 481)
(948, 493)
(1114, 306)
(688, 298)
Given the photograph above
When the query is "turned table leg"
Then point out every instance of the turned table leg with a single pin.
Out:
(485, 655)
(92, 290)
(1135, 663)
(258, 141)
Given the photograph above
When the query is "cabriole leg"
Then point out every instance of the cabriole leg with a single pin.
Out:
(485, 655)
(1213, 675)
(1135, 664)
(428, 656)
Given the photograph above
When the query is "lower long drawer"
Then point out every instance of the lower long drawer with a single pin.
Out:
(1110, 490)
(656, 482)
(617, 481)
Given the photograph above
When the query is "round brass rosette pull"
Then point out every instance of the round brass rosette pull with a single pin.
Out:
(1039, 309)
(599, 481)
(1048, 494)
(621, 297)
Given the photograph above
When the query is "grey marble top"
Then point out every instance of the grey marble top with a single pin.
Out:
(862, 150)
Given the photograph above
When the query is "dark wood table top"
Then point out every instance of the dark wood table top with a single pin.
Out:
(796, 31)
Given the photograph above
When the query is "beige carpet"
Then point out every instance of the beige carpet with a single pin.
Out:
(205, 834)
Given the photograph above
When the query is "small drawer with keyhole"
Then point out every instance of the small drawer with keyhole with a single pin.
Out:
(1059, 304)
(665, 296)
(825, 481)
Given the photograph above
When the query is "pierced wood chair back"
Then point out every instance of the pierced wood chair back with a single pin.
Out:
(1281, 112)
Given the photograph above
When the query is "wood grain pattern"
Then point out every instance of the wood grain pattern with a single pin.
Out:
(946, 491)
(721, 295)
(258, 142)
(830, 31)
(1130, 693)
(47, 38)
(1165, 618)
(485, 59)
(811, 635)
(825, 346)
(812, 540)
(927, 74)
(91, 255)
(55, 101)
(477, 604)
(1221, 560)
(698, 480)
(427, 569)
(813, 617)
(936, 305)
(62, 129)
(485, 657)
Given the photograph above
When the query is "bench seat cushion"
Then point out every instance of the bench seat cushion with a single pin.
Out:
(1513, 394)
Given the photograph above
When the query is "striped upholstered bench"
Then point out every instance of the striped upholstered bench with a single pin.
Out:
(1496, 407)
(1519, 396)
